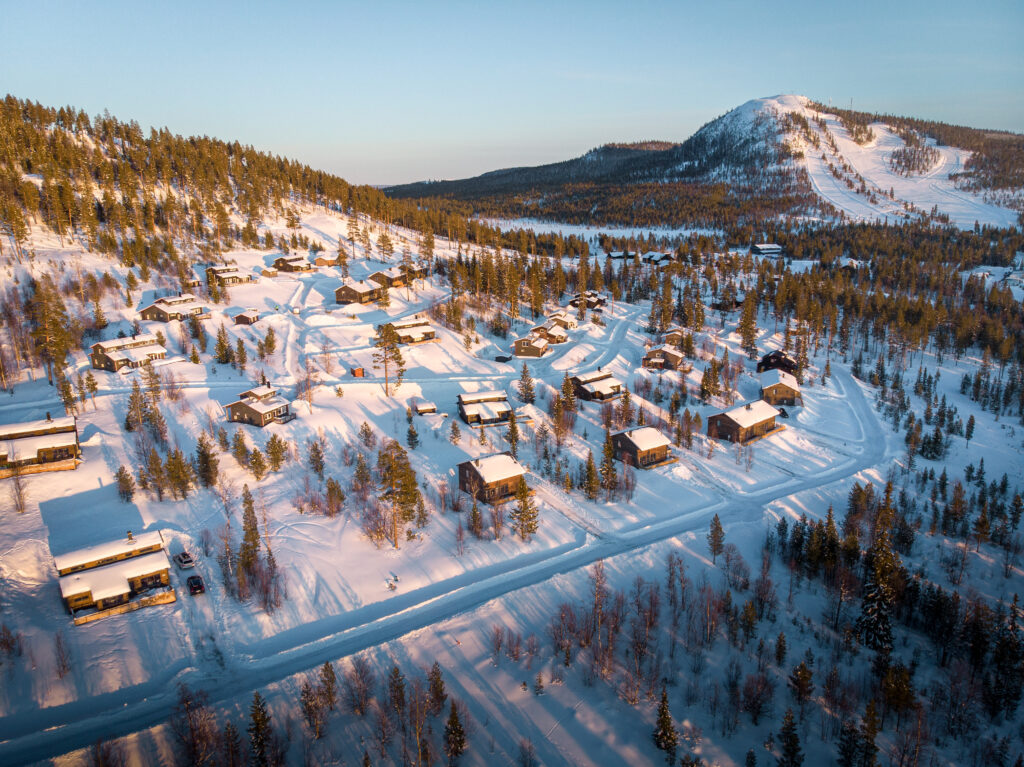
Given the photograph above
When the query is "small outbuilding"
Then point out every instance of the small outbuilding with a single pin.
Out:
(743, 424)
(777, 360)
(780, 388)
(493, 479)
(248, 317)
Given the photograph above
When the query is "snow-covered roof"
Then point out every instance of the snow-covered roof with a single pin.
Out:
(259, 392)
(100, 551)
(603, 386)
(411, 322)
(263, 406)
(488, 411)
(479, 396)
(596, 375)
(535, 340)
(665, 349)
(425, 406)
(496, 468)
(139, 339)
(112, 580)
(768, 246)
(137, 353)
(295, 260)
(751, 413)
(360, 286)
(772, 377)
(15, 430)
(27, 448)
(182, 298)
(254, 313)
(393, 273)
(186, 303)
(646, 438)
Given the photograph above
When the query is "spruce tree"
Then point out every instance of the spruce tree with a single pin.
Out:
(609, 477)
(524, 515)
(568, 395)
(260, 732)
(849, 745)
(222, 349)
(388, 356)
(238, 447)
(315, 458)
(454, 434)
(257, 464)
(513, 434)
(665, 736)
(207, 462)
(454, 736)
(591, 481)
(125, 484)
(329, 685)
(435, 683)
(412, 437)
(791, 755)
(526, 392)
(716, 538)
(748, 325)
(476, 520)
(248, 552)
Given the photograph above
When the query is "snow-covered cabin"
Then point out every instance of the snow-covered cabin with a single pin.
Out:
(767, 250)
(484, 407)
(644, 447)
(228, 275)
(248, 317)
(423, 407)
(130, 352)
(597, 385)
(293, 264)
(393, 277)
(674, 336)
(779, 388)
(532, 345)
(110, 574)
(744, 423)
(777, 360)
(552, 331)
(48, 445)
(259, 407)
(414, 330)
(591, 299)
(492, 479)
(566, 320)
(179, 307)
(357, 291)
(663, 357)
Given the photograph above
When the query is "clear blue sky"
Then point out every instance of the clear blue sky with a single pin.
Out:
(387, 92)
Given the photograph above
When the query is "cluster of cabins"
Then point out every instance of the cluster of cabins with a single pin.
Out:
(112, 574)
(554, 330)
(370, 289)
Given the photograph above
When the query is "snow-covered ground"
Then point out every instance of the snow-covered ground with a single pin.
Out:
(125, 669)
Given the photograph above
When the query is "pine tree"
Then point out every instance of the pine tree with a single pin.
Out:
(435, 683)
(591, 482)
(454, 434)
(270, 342)
(849, 745)
(873, 625)
(665, 736)
(568, 395)
(388, 356)
(412, 437)
(241, 358)
(513, 434)
(476, 520)
(125, 484)
(609, 477)
(277, 452)
(315, 458)
(801, 684)
(260, 732)
(526, 392)
(312, 709)
(716, 538)
(329, 685)
(748, 325)
(869, 727)
(207, 463)
(257, 464)
(222, 349)
(248, 551)
(969, 429)
(454, 736)
(238, 447)
(791, 756)
(780, 650)
(524, 515)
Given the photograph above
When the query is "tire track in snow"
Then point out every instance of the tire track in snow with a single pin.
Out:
(44, 734)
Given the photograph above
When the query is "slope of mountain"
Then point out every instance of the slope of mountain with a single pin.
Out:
(798, 157)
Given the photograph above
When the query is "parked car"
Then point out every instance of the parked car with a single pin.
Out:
(184, 560)
(783, 413)
(195, 585)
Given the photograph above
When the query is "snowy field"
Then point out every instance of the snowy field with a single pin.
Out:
(125, 669)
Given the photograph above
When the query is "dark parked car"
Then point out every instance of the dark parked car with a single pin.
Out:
(195, 585)
(783, 413)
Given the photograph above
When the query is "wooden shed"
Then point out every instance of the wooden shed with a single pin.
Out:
(644, 447)
(780, 388)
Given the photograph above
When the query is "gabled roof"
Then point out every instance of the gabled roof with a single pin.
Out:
(776, 376)
(109, 549)
(360, 286)
(481, 396)
(16, 430)
(496, 468)
(596, 375)
(645, 437)
(751, 413)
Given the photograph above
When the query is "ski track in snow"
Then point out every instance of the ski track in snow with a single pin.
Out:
(41, 734)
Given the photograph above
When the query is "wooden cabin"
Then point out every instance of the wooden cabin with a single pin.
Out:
(566, 320)
(644, 447)
(484, 408)
(552, 331)
(657, 258)
(179, 307)
(228, 275)
(743, 424)
(423, 407)
(532, 345)
(259, 407)
(293, 264)
(777, 360)
(675, 336)
(663, 358)
(111, 574)
(415, 330)
(37, 446)
(357, 291)
(390, 278)
(591, 299)
(131, 352)
(780, 388)
(598, 385)
(268, 271)
(324, 260)
(493, 479)
(248, 317)
(767, 250)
